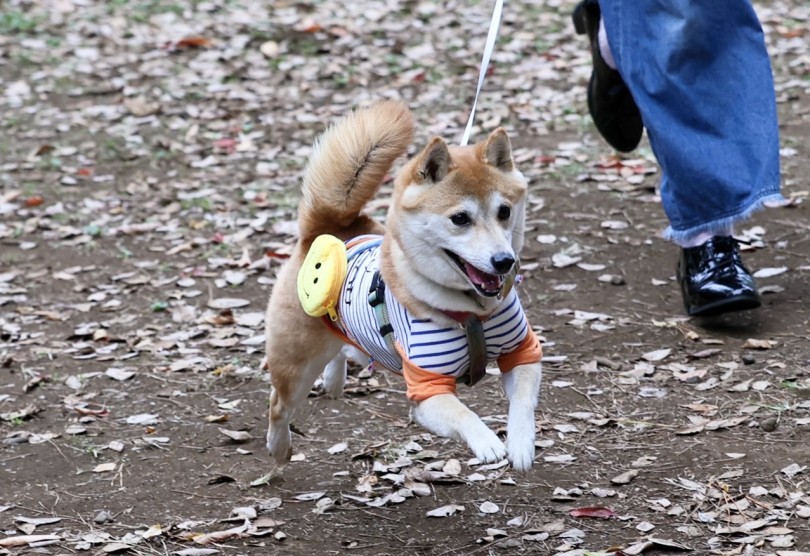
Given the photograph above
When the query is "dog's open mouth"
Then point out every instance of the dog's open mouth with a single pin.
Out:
(488, 285)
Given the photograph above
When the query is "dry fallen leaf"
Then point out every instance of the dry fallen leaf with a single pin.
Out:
(488, 508)
(590, 267)
(338, 448)
(559, 458)
(597, 512)
(116, 446)
(452, 467)
(119, 374)
(310, 496)
(562, 260)
(221, 536)
(657, 355)
(105, 467)
(625, 477)
(140, 107)
(661, 544)
(237, 436)
(752, 343)
(445, 511)
(770, 272)
(196, 552)
(37, 520)
(26, 413)
(23, 540)
(33, 201)
(192, 42)
(244, 512)
(143, 419)
(793, 469)
(228, 303)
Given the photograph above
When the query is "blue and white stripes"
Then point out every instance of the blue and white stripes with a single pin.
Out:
(432, 347)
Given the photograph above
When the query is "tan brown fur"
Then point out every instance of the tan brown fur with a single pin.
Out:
(347, 166)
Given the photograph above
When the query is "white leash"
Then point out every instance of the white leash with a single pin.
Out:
(488, 48)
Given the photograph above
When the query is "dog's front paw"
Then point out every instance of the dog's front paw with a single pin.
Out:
(486, 446)
(520, 452)
(520, 434)
(279, 444)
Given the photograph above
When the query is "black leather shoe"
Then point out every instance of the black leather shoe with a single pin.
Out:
(713, 279)
(610, 103)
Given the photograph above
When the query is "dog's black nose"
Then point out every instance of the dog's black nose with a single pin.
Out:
(502, 262)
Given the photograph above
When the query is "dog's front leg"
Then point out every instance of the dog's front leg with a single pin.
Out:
(445, 415)
(522, 387)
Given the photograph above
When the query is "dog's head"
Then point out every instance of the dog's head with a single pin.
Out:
(458, 214)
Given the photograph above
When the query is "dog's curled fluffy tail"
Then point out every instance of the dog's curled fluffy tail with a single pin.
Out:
(348, 164)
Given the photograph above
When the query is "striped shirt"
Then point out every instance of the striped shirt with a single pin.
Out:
(432, 347)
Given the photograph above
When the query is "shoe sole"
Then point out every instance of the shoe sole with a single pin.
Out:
(729, 305)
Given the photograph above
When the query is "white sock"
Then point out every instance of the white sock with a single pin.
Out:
(700, 239)
(604, 47)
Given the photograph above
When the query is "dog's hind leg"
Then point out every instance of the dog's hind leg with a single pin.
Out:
(334, 375)
(292, 380)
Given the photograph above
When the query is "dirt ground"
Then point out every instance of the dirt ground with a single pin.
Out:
(149, 161)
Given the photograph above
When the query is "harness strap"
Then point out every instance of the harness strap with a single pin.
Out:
(376, 298)
(478, 351)
(473, 327)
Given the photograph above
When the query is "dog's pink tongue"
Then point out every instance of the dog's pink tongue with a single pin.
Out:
(488, 282)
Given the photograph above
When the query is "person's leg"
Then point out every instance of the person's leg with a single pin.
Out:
(701, 77)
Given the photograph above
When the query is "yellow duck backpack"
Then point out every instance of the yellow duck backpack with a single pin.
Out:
(321, 276)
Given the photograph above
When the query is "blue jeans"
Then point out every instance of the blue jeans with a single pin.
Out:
(701, 77)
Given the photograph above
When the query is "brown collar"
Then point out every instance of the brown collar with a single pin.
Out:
(460, 316)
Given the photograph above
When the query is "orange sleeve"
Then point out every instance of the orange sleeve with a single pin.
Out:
(529, 351)
(423, 384)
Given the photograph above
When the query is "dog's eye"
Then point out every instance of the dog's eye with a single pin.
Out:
(504, 212)
(460, 219)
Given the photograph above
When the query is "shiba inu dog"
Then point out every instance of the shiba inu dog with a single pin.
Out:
(428, 296)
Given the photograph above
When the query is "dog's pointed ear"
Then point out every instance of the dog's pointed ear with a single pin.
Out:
(434, 161)
(497, 151)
